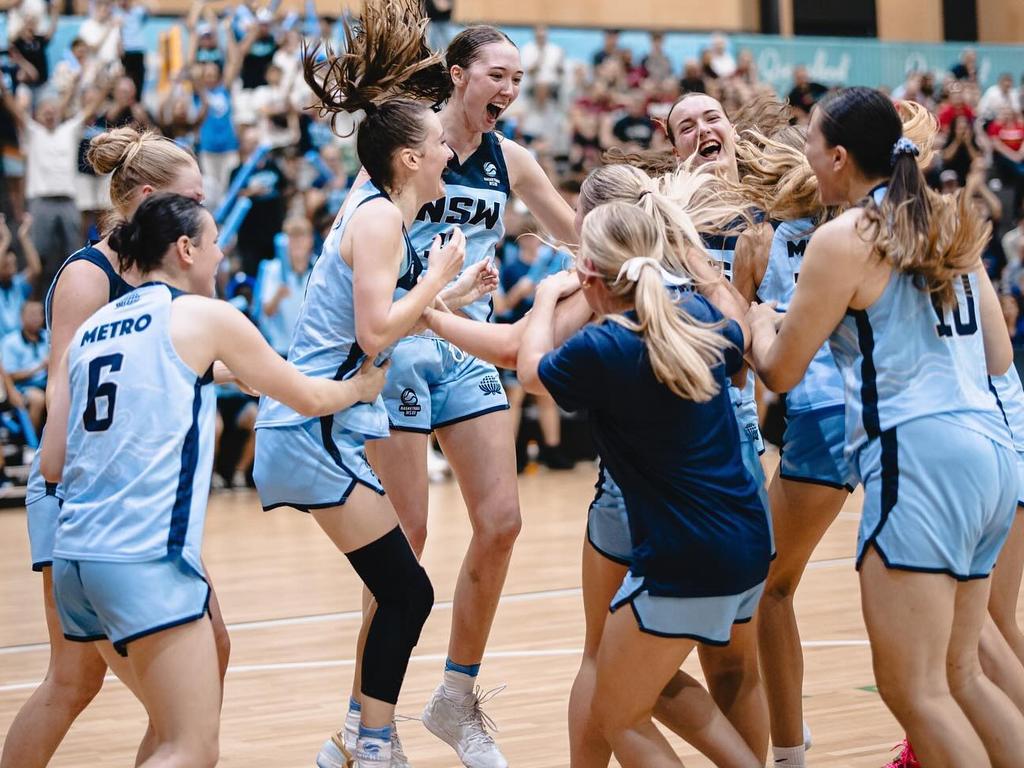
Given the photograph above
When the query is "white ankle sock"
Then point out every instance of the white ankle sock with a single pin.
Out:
(457, 684)
(789, 757)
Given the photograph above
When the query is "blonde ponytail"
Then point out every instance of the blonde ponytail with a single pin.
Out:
(683, 351)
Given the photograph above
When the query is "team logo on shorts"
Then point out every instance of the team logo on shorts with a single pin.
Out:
(490, 385)
(410, 403)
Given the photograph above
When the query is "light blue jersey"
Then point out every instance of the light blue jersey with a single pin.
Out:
(821, 386)
(324, 342)
(1008, 391)
(744, 401)
(140, 438)
(904, 357)
(476, 192)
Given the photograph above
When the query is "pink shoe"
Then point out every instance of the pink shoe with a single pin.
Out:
(906, 758)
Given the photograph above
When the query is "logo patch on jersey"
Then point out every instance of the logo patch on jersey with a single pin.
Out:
(410, 405)
(128, 300)
(490, 385)
(492, 171)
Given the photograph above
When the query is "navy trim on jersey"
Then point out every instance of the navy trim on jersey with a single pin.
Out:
(38, 567)
(475, 173)
(117, 285)
(720, 242)
(121, 646)
(602, 473)
(186, 478)
(674, 635)
(817, 481)
(417, 430)
(890, 491)
(869, 384)
(992, 389)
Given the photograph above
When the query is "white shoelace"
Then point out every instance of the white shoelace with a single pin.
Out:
(475, 716)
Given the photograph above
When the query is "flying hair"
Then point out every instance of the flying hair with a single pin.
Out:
(386, 57)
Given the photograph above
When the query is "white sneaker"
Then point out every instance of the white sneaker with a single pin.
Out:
(463, 725)
(807, 737)
(398, 758)
(372, 753)
(334, 754)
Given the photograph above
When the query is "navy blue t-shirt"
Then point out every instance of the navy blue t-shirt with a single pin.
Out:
(696, 520)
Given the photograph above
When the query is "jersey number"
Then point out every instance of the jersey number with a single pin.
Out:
(102, 395)
(962, 327)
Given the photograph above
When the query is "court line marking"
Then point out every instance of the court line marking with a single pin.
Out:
(320, 618)
(426, 657)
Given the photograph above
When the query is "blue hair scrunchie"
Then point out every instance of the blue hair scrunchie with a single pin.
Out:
(903, 147)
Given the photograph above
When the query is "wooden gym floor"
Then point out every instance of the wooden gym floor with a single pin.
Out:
(291, 602)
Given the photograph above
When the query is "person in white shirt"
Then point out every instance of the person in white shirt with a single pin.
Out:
(543, 61)
(50, 143)
(999, 96)
(721, 60)
(102, 32)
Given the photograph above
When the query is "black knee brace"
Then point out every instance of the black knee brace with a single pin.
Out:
(404, 598)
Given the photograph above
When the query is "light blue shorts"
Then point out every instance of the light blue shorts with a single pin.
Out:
(42, 502)
(607, 522)
(433, 384)
(122, 602)
(707, 620)
(313, 465)
(812, 448)
(938, 498)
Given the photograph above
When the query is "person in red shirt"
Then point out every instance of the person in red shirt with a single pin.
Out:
(954, 107)
(1007, 135)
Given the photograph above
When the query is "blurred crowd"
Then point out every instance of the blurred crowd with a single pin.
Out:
(228, 85)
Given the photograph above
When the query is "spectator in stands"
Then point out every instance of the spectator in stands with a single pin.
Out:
(124, 108)
(955, 105)
(543, 61)
(282, 284)
(218, 140)
(746, 69)
(25, 354)
(101, 32)
(1000, 96)
(526, 260)
(911, 90)
(1013, 249)
(277, 119)
(181, 113)
(258, 48)
(692, 80)
(203, 45)
(440, 30)
(967, 68)
(990, 209)
(634, 130)
(16, 287)
(266, 187)
(132, 15)
(1006, 133)
(542, 124)
(804, 93)
(51, 149)
(722, 62)
(29, 49)
(234, 438)
(656, 64)
(609, 48)
(961, 149)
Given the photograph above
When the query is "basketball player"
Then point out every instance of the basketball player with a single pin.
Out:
(131, 436)
(140, 164)
(897, 285)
